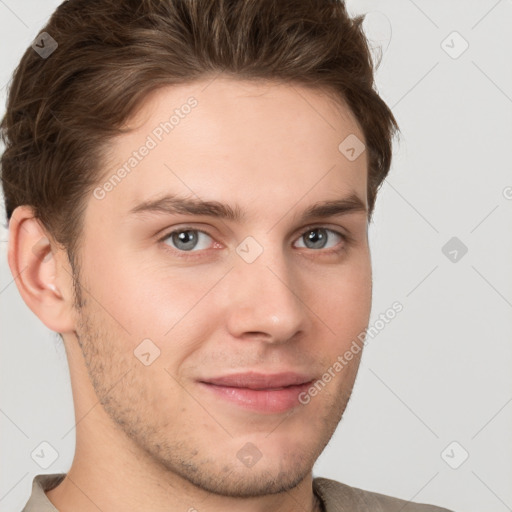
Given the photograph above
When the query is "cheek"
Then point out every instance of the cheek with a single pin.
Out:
(167, 306)
(138, 293)
(342, 298)
(168, 297)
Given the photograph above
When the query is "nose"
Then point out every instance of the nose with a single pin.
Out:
(265, 300)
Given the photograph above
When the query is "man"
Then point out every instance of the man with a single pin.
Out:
(189, 185)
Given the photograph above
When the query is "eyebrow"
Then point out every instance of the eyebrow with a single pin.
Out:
(171, 204)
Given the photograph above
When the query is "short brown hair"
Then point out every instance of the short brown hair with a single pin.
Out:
(63, 110)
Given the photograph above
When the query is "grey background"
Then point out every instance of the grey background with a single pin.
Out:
(440, 371)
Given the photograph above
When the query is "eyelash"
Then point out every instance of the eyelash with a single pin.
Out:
(194, 254)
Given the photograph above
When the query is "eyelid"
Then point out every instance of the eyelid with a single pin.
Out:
(336, 229)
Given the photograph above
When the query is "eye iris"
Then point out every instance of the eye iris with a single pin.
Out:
(189, 238)
(318, 236)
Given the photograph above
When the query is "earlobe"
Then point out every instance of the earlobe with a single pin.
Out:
(37, 267)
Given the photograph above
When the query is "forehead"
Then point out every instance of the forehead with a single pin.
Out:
(263, 143)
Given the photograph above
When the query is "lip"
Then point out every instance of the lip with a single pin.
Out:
(264, 393)
(254, 380)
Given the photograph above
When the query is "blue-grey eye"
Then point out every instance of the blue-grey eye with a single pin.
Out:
(187, 239)
(317, 238)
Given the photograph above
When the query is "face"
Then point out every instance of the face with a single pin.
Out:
(174, 297)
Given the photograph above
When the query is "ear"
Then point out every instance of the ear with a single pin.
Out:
(41, 271)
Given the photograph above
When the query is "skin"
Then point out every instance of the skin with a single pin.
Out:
(147, 437)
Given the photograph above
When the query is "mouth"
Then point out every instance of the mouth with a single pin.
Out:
(269, 394)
